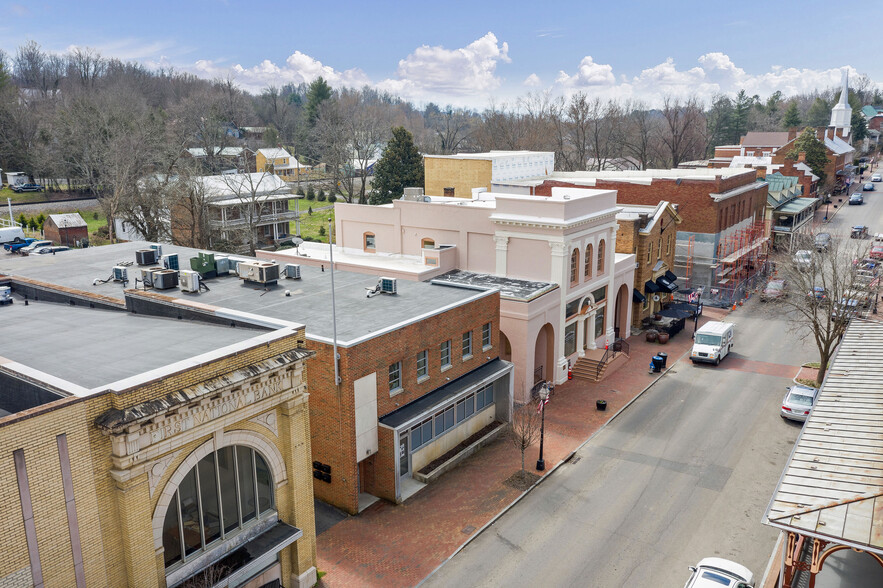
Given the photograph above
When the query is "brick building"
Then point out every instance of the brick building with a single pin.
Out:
(650, 233)
(721, 212)
(157, 453)
(66, 229)
(428, 353)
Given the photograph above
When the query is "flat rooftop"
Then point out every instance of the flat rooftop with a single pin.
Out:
(92, 348)
(510, 288)
(636, 176)
(309, 303)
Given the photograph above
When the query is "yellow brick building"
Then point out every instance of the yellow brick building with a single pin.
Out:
(458, 175)
(144, 451)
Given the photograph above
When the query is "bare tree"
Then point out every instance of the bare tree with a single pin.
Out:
(682, 130)
(640, 134)
(828, 286)
(524, 428)
(257, 194)
(451, 126)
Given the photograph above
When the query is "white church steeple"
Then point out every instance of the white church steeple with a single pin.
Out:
(841, 114)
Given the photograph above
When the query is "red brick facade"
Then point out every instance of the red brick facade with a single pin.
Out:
(332, 409)
(700, 213)
(64, 235)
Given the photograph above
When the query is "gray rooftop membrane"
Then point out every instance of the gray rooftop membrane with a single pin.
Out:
(309, 304)
(91, 347)
(511, 288)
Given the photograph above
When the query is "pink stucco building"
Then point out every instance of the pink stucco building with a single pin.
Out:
(565, 292)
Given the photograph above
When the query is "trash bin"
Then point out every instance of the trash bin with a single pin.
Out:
(656, 364)
(664, 357)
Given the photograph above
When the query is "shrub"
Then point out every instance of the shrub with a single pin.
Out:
(94, 216)
(332, 198)
(321, 197)
(321, 231)
(311, 194)
(300, 191)
(32, 224)
(310, 211)
(22, 220)
(40, 220)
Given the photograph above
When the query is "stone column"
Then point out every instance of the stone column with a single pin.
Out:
(559, 274)
(612, 293)
(136, 528)
(294, 429)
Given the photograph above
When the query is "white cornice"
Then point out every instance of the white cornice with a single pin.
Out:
(550, 223)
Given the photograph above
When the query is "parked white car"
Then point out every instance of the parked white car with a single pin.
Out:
(34, 246)
(716, 572)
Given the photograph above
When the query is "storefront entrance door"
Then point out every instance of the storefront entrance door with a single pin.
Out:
(403, 456)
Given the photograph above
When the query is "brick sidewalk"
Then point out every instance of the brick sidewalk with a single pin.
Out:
(399, 545)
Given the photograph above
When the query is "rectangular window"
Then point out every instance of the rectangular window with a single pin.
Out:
(446, 354)
(208, 489)
(572, 308)
(439, 423)
(369, 241)
(659, 248)
(570, 339)
(395, 376)
(600, 294)
(649, 251)
(467, 344)
(422, 364)
(486, 335)
(461, 411)
(668, 244)
(449, 418)
(426, 432)
(416, 437)
(470, 405)
(599, 323)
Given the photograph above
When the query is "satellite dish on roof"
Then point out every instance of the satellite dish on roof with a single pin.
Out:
(297, 241)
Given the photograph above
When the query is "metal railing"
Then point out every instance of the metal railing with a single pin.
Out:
(619, 346)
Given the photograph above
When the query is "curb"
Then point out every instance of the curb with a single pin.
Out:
(548, 474)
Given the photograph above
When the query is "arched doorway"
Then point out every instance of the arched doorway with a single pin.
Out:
(621, 314)
(543, 357)
(505, 347)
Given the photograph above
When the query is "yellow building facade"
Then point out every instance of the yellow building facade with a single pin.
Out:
(281, 163)
(453, 176)
(195, 472)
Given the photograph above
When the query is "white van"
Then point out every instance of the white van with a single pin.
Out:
(11, 235)
(712, 342)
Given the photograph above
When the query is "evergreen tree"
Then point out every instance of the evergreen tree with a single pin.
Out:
(318, 93)
(719, 121)
(819, 114)
(400, 167)
(792, 116)
(741, 110)
(22, 220)
(816, 154)
(859, 125)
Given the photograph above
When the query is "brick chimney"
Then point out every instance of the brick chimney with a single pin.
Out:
(792, 133)
(801, 157)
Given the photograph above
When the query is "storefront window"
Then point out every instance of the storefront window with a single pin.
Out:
(570, 339)
(599, 323)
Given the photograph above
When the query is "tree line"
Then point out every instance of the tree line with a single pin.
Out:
(81, 121)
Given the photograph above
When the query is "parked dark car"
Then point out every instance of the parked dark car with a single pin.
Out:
(868, 187)
(857, 198)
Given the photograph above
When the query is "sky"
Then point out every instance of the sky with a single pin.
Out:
(472, 53)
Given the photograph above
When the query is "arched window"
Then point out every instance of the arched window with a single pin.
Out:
(601, 256)
(574, 266)
(369, 242)
(587, 271)
(427, 244)
(219, 497)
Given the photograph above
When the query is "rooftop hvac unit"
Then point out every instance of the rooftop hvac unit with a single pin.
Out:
(292, 270)
(222, 265)
(5, 295)
(120, 274)
(164, 279)
(189, 281)
(261, 272)
(158, 249)
(387, 285)
(146, 256)
(147, 276)
(204, 263)
(170, 261)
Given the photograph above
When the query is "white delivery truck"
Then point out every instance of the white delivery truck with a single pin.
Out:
(712, 342)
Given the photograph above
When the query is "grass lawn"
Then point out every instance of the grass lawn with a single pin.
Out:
(311, 223)
(23, 197)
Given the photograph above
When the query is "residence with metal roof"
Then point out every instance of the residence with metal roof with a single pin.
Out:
(139, 450)
(433, 354)
(788, 212)
(281, 163)
(829, 501)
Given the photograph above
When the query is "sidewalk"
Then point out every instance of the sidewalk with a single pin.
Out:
(399, 545)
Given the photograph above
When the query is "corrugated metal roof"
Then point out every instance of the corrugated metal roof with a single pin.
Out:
(832, 486)
(65, 221)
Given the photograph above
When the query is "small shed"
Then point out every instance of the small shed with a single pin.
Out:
(65, 229)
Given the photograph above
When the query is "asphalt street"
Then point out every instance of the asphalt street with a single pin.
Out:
(685, 472)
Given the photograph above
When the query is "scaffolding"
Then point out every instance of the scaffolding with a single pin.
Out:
(740, 264)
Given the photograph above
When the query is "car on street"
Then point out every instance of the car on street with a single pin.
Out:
(27, 188)
(716, 572)
(798, 402)
(858, 232)
(857, 198)
(868, 187)
(818, 292)
(822, 241)
(877, 178)
(49, 250)
(15, 246)
(774, 290)
(803, 259)
(876, 252)
(35, 245)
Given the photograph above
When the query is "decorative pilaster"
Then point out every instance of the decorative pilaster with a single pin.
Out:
(502, 248)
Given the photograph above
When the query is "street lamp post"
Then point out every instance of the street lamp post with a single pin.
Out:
(544, 397)
(698, 309)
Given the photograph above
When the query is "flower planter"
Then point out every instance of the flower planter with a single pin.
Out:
(663, 337)
(601, 404)
(651, 336)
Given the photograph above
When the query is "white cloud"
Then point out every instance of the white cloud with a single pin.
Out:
(532, 81)
(588, 73)
(430, 72)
